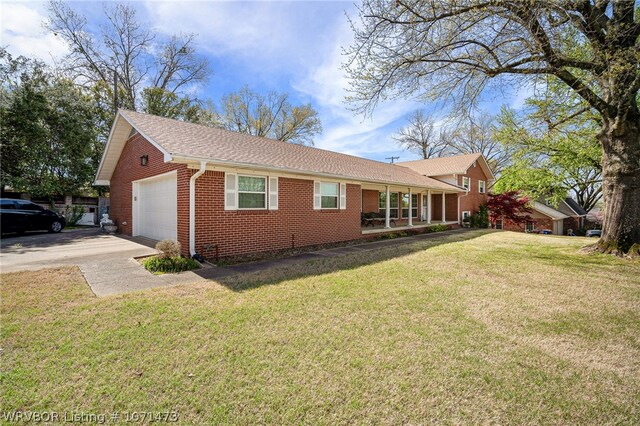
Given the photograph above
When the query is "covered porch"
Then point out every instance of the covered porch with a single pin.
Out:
(386, 208)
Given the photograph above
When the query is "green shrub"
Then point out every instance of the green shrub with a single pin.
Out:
(480, 219)
(438, 228)
(169, 248)
(73, 214)
(160, 264)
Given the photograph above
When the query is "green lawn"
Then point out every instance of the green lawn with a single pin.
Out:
(475, 328)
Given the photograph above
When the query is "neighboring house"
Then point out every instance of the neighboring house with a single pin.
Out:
(577, 215)
(468, 171)
(568, 215)
(225, 193)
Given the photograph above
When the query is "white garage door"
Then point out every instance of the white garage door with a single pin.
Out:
(155, 207)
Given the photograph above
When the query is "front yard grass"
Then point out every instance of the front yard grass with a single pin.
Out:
(501, 328)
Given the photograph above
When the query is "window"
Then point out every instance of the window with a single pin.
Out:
(393, 204)
(530, 226)
(466, 182)
(7, 205)
(499, 224)
(252, 192)
(405, 205)
(481, 186)
(466, 214)
(26, 205)
(329, 195)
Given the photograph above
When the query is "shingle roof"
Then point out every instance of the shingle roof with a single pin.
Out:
(577, 208)
(457, 164)
(181, 139)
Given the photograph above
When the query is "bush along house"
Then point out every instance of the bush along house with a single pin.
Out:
(222, 193)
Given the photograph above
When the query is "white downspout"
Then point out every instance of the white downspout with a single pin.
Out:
(192, 207)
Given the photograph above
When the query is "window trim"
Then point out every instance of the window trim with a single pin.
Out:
(526, 225)
(484, 186)
(468, 179)
(265, 193)
(413, 206)
(468, 212)
(501, 224)
(337, 207)
(382, 208)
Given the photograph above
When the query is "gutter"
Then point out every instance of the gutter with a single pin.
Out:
(223, 163)
(192, 211)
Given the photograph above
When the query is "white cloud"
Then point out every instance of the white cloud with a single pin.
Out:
(23, 34)
(346, 131)
(300, 42)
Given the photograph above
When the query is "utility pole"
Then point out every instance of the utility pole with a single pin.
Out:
(392, 158)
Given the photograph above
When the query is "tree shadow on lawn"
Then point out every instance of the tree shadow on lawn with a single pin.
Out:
(252, 275)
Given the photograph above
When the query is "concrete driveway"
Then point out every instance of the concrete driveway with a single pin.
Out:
(106, 261)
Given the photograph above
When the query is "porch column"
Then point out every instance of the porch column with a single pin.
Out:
(410, 223)
(443, 208)
(387, 212)
(459, 223)
(428, 206)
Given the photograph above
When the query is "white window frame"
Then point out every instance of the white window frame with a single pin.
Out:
(319, 194)
(501, 224)
(413, 206)
(526, 225)
(482, 186)
(382, 206)
(468, 185)
(265, 192)
(466, 214)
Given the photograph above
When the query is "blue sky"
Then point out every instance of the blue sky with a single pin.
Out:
(292, 47)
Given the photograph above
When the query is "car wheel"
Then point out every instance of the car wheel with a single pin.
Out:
(56, 226)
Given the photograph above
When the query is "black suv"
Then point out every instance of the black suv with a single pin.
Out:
(21, 215)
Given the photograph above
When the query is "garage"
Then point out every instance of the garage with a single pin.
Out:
(155, 207)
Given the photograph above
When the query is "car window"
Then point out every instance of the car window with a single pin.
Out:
(7, 204)
(29, 206)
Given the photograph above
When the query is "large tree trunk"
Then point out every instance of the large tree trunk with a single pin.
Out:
(620, 140)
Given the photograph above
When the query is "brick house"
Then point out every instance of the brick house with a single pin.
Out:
(567, 215)
(469, 171)
(225, 193)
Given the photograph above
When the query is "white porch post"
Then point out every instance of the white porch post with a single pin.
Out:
(459, 223)
(387, 213)
(444, 219)
(429, 206)
(410, 223)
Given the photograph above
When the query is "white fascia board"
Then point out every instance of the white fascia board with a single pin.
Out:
(548, 211)
(167, 156)
(118, 122)
(214, 164)
(106, 149)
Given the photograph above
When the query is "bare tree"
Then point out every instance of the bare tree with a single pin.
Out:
(270, 115)
(477, 134)
(455, 49)
(421, 137)
(127, 47)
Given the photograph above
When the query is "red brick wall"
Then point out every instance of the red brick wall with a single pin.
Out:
(572, 223)
(294, 224)
(472, 201)
(450, 207)
(370, 201)
(540, 223)
(129, 169)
